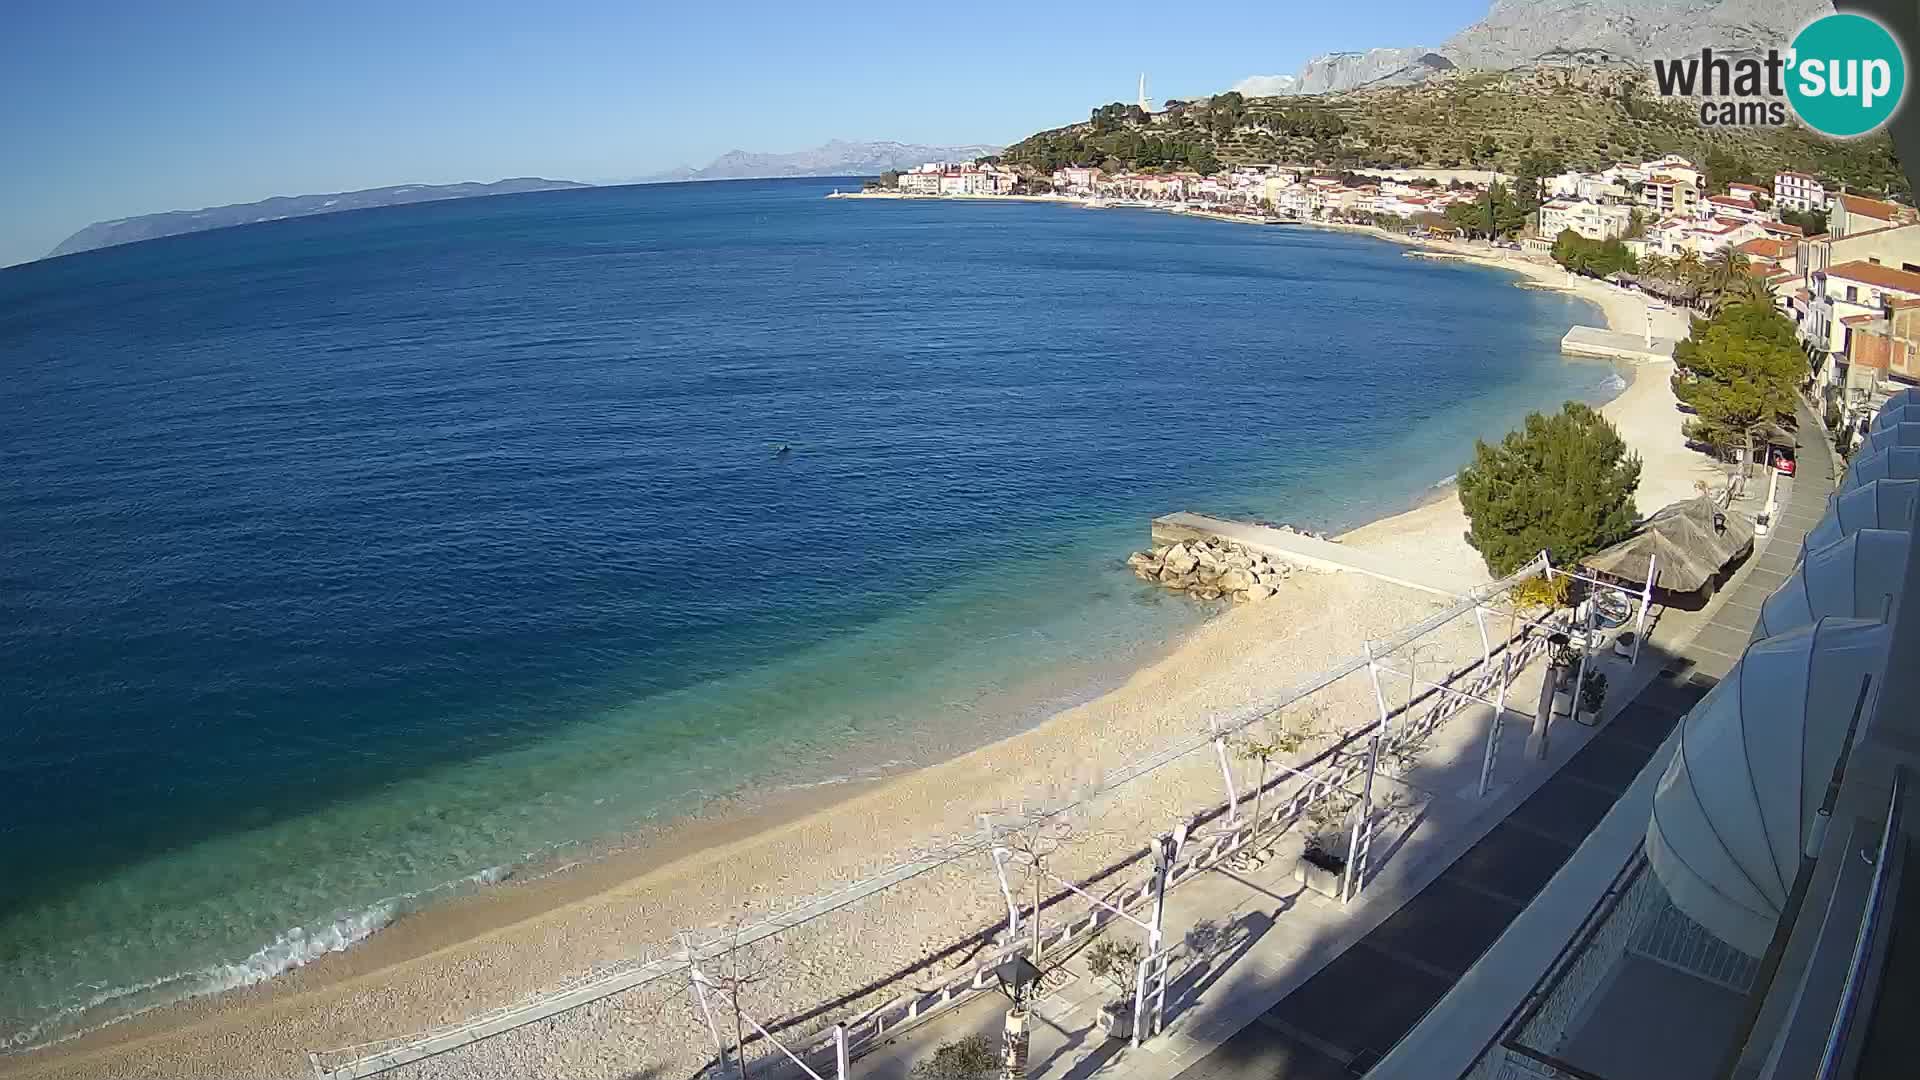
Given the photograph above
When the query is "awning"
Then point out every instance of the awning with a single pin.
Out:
(1888, 435)
(1682, 538)
(1896, 414)
(1732, 814)
(1882, 504)
(1852, 578)
(1892, 463)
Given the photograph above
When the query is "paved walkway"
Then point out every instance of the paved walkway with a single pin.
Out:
(1802, 502)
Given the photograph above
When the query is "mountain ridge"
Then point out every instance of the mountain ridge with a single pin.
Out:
(129, 230)
(1519, 33)
(836, 157)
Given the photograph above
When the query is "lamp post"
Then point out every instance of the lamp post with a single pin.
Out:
(1017, 978)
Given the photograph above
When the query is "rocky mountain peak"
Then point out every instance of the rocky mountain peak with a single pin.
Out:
(1518, 33)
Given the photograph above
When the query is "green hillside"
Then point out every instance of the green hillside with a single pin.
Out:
(1583, 118)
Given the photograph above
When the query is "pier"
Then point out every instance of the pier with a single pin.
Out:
(1298, 549)
(1613, 345)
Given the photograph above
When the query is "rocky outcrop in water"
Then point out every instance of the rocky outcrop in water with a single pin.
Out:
(1210, 570)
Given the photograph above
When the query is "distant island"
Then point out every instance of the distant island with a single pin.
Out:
(176, 222)
(835, 158)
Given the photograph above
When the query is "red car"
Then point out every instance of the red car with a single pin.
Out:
(1783, 463)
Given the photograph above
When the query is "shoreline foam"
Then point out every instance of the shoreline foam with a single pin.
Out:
(542, 904)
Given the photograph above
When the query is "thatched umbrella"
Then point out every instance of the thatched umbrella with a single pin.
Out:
(1692, 540)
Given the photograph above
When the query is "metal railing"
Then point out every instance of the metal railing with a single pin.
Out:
(1870, 919)
(863, 1030)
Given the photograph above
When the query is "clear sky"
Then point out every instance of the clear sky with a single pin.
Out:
(115, 109)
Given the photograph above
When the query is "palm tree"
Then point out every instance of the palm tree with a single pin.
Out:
(1655, 266)
(1724, 272)
(1750, 289)
(1686, 273)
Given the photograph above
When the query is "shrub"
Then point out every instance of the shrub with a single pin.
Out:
(1563, 484)
(971, 1058)
(1541, 591)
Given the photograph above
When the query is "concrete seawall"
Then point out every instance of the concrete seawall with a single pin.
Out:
(1613, 345)
(1300, 550)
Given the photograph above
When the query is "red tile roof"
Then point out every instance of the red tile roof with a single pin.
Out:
(1766, 247)
(1873, 208)
(1884, 277)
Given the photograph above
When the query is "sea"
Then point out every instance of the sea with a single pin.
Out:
(354, 562)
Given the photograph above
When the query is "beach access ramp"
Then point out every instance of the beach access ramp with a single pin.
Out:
(1299, 549)
(1613, 345)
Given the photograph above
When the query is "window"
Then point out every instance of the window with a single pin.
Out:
(1853, 295)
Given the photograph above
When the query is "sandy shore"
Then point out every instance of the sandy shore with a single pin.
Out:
(516, 939)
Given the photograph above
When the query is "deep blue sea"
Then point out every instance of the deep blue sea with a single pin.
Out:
(355, 560)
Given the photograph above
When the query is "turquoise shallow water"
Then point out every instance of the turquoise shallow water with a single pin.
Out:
(359, 559)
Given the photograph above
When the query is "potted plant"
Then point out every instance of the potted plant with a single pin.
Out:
(1322, 866)
(1593, 696)
(1623, 645)
(1115, 962)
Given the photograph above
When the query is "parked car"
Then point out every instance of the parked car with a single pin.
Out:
(1783, 462)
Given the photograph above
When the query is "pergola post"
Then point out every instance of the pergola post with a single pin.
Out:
(1226, 772)
(1379, 696)
(1499, 710)
(1646, 601)
(706, 1010)
(1013, 909)
(1146, 1018)
(1362, 835)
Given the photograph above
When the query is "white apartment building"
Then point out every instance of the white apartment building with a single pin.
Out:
(1732, 206)
(1675, 235)
(1799, 192)
(1594, 221)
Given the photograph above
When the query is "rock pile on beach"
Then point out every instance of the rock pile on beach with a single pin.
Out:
(1210, 569)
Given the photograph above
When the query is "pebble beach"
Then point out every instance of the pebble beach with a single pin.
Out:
(521, 937)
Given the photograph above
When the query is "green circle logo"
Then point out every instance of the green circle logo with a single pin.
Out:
(1847, 75)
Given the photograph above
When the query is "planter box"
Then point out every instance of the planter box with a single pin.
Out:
(1622, 649)
(1116, 1019)
(1562, 702)
(1321, 872)
(1587, 718)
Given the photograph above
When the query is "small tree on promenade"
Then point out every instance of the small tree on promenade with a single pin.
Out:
(1563, 483)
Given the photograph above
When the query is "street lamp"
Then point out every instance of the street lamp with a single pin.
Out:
(1017, 978)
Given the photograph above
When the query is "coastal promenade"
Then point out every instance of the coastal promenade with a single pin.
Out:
(1298, 986)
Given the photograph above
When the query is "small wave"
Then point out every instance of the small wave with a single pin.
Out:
(1616, 383)
(1447, 481)
(289, 949)
(492, 875)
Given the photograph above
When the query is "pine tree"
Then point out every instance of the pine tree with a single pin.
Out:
(1562, 483)
(1739, 372)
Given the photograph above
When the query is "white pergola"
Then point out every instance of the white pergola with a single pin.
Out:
(1746, 798)
(1853, 578)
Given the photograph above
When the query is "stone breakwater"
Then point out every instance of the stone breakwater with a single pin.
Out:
(1210, 569)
